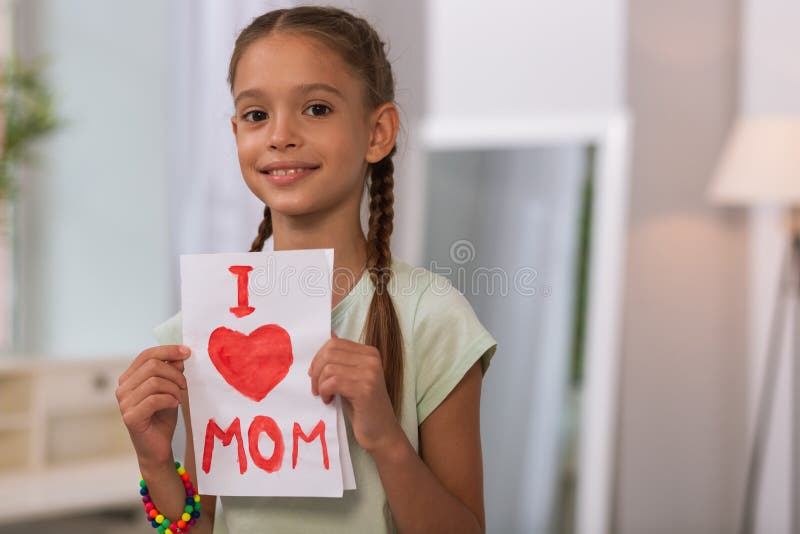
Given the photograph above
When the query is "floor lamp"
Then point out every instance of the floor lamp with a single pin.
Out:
(761, 166)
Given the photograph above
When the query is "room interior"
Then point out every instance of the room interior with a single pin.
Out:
(608, 184)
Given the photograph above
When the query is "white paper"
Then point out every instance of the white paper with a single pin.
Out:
(348, 476)
(291, 292)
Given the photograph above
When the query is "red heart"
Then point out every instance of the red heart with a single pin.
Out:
(252, 364)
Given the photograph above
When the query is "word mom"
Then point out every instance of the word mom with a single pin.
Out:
(266, 425)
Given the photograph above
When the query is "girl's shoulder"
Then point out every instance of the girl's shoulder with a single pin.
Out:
(428, 295)
(446, 336)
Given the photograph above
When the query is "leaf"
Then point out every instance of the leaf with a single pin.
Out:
(27, 106)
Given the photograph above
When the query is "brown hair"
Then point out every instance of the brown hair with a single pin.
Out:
(362, 49)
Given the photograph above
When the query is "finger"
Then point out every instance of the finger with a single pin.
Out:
(155, 385)
(149, 369)
(333, 335)
(325, 357)
(329, 370)
(177, 364)
(343, 386)
(318, 357)
(352, 346)
(327, 352)
(330, 387)
(137, 417)
(155, 368)
(161, 352)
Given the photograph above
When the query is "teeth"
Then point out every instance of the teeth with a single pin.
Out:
(282, 172)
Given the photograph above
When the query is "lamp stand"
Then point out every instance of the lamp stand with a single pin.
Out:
(788, 291)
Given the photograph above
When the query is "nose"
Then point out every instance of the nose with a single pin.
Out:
(283, 133)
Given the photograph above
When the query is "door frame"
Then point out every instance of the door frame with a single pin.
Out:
(610, 134)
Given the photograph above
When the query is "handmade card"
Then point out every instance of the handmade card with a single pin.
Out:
(254, 322)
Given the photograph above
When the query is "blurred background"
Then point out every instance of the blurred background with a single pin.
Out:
(607, 182)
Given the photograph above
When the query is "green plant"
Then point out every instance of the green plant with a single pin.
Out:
(27, 114)
(584, 250)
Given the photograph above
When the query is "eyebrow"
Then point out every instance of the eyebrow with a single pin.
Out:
(302, 89)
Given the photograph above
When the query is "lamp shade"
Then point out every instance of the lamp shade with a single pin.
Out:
(760, 163)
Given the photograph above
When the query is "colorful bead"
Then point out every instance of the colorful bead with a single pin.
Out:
(188, 517)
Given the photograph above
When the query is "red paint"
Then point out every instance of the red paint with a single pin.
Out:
(234, 431)
(262, 423)
(267, 425)
(319, 430)
(242, 275)
(252, 364)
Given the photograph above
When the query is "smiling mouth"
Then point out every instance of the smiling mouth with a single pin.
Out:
(284, 172)
(282, 177)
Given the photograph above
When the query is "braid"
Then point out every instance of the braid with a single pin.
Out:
(264, 231)
(382, 329)
(381, 215)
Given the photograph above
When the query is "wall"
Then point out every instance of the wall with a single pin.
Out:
(93, 239)
(682, 425)
(535, 56)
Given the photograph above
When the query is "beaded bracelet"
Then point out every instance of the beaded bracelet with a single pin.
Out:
(191, 513)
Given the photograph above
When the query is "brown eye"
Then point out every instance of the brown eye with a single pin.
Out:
(319, 110)
(257, 116)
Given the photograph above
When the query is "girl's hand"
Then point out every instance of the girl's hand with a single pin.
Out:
(148, 395)
(354, 371)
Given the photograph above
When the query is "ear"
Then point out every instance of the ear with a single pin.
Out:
(384, 122)
(234, 126)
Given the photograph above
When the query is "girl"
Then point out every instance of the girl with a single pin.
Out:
(315, 125)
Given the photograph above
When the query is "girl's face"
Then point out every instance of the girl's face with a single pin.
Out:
(299, 107)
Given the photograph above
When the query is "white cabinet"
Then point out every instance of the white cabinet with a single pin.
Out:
(63, 446)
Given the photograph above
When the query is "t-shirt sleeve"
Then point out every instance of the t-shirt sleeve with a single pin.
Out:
(447, 340)
(170, 332)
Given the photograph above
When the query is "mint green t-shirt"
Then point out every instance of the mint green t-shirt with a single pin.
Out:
(442, 339)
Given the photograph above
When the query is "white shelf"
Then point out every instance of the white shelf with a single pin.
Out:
(21, 421)
(64, 446)
(79, 487)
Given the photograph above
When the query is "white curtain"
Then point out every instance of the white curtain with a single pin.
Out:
(211, 208)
